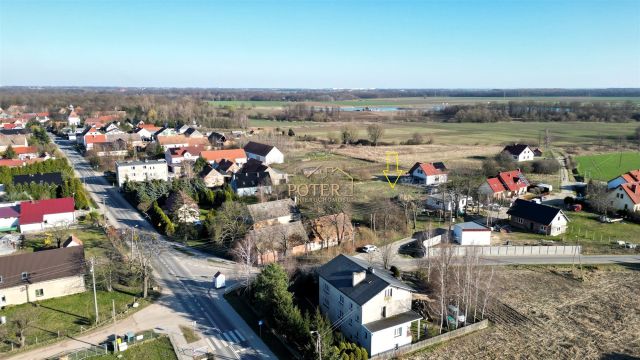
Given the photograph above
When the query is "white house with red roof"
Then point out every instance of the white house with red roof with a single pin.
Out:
(507, 184)
(432, 173)
(38, 215)
(626, 197)
(73, 119)
(176, 156)
(632, 176)
(27, 152)
(92, 136)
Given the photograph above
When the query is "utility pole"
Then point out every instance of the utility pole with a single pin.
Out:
(113, 314)
(95, 298)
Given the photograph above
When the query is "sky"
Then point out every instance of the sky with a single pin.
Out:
(321, 43)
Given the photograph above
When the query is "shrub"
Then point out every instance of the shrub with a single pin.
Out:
(546, 166)
(395, 271)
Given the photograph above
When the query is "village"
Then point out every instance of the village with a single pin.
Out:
(235, 195)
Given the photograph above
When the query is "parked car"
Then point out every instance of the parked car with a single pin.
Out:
(456, 313)
(630, 246)
(414, 249)
(369, 248)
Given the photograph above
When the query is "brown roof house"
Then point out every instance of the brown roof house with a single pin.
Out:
(279, 241)
(41, 275)
(211, 177)
(182, 207)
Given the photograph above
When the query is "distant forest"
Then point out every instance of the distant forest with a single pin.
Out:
(166, 106)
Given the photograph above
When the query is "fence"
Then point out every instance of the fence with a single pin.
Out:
(432, 341)
(515, 250)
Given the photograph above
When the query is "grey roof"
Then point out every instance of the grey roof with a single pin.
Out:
(46, 178)
(258, 148)
(529, 210)
(41, 266)
(251, 180)
(253, 165)
(392, 321)
(272, 209)
(515, 149)
(339, 271)
(472, 226)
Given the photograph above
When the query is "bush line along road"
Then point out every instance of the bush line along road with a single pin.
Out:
(226, 333)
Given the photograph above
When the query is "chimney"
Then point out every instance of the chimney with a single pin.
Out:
(371, 270)
(357, 277)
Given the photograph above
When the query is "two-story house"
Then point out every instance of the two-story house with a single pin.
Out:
(538, 218)
(519, 152)
(428, 173)
(367, 304)
(141, 171)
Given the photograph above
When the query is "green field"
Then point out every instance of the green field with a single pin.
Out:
(422, 102)
(563, 133)
(605, 167)
(157, 349)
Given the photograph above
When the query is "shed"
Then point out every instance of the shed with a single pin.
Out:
(219, 280)
(470, 233)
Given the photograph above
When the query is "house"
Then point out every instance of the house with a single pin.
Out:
(113, 128)
(146, 132)
(506, 184)
(519, 152)
(372, 307)
(71, 241)
(38, 215)
(73, 119)
(211, 177)
(169, 142)
(238, 156)
(94, 122)
(15, 141)
(166, 131)
(141, 171)
(9, 216)
(538, 218)
(111, 148)
(182, 207)
(626, 197)
(91, 136)
(131, 140)
(330, 230)
(279, 241)
(251, 183)
(632, 176)
(46, 178)
(267, 154)
(218, 139)
(27, 152)
(470, 233)
(433, 173)
(537, 152)
(176, 156)
(28, 277)
(192, 133)
(227, 167)
(256, 166)
(273, 212)
(447, 202)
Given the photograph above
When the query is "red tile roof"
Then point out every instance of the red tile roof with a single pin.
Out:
(496, 185)
(632, 176)
(218, 155)
(92, 139)
(633, 191)
(512, 180)
(32, 212)
(26, 150)
(12, 162)
(179, 152)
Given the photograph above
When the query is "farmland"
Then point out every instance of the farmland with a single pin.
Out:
(419, 102)
(605, 167)
(563, 313)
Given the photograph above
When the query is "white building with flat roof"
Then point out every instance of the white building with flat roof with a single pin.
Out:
(141, 171)
(470, 233)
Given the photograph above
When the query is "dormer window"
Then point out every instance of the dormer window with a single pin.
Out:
(25, 276)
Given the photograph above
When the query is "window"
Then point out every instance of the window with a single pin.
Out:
(326, 302)
(25, 275)
(341, 299)
(3, 298)
(39, 292)
(388, 292)
(357, 317)
(340, 314)
(326, 287)
(384, 311)
(350, 322)
(397, 332)
(350, 306)
(365, 334)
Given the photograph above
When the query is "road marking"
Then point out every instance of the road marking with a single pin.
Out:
(233, 336)
(210, 344)
(216, 342)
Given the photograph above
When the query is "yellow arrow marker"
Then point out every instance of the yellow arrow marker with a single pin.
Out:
(391, 157)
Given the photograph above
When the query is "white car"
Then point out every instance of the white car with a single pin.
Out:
(369, 248)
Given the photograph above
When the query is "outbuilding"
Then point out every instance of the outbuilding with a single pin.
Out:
(470, 233)
(219, 280)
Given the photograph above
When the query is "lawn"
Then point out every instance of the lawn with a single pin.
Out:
(605, 167)
(157, 349)
(594, 236)
(67, 315)
(94, 240)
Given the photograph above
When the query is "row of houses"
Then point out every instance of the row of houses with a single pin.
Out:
(37, 215)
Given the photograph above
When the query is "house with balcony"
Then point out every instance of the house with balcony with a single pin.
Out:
(372, 308)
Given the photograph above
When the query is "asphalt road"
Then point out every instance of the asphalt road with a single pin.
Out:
(188, 278)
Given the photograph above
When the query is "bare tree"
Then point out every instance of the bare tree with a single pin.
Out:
(148, 249)
(60, 232)
(375, 132)
(22, 322)
(107, 268)
(244, 252)
(387, 251)
(597, 195)
(230, 223)
(348, 134)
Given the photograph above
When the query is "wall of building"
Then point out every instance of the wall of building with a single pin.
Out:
(385, 340)
(399, 302)
(142, 172)
(512, 250)
(468, 238)
(618, 199)
(52, 289)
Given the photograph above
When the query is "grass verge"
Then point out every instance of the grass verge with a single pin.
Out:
(189, 334)
(157, 349)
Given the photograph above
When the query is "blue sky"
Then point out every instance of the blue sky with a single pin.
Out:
(321, 43)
